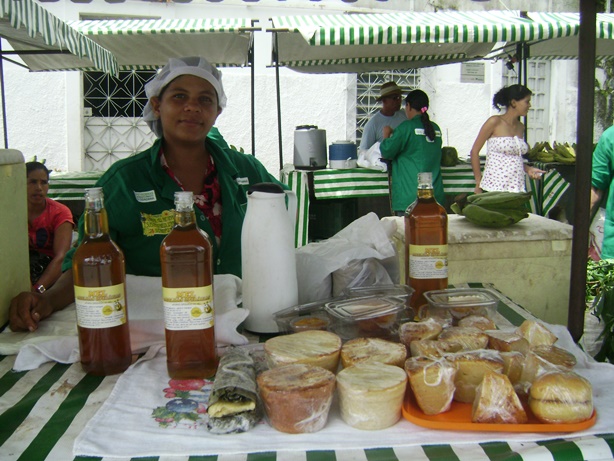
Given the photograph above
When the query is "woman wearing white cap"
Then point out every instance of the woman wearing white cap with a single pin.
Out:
(185, 99)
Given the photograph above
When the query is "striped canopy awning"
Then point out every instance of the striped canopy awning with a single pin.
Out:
(44, 42)
(367, 42)
(149, 43)
(567, 47)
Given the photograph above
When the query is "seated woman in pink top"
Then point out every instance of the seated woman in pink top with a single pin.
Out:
(50, 226)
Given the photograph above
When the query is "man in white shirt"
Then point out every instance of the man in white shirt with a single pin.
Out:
(390, 114)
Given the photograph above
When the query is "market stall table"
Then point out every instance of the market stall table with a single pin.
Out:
(43, 412)
(361, 183)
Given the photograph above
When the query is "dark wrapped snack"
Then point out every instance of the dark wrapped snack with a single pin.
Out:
(234, 405)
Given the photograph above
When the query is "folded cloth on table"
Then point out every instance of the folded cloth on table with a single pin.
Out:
(55, 339)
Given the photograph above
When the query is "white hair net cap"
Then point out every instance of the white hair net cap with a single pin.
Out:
(176, 67)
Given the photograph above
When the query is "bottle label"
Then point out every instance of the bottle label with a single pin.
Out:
(428, 261)
(100, 307)
(188, 308)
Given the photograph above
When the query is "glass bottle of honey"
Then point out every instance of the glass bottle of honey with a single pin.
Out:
(100, 294)
(426, 243)
(187, 290)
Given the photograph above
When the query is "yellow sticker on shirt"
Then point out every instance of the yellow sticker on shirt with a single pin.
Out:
(158, 223)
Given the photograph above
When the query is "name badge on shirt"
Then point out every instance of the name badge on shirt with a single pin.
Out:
(145, 197)
(243, 181)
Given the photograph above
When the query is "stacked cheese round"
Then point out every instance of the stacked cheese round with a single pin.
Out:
(313, 347)
(297, 397)
(359, 350)
(371, 395)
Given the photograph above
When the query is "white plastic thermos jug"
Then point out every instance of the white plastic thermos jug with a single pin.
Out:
(268, 260)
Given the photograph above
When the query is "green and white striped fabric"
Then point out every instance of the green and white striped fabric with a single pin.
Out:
(43, 411)
(566, 47)
(71, 186)
(29, 27)
(149, 43)
(548, 191)
(359, 42)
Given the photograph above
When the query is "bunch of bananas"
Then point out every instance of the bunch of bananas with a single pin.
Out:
(544, 153)
(494, 209)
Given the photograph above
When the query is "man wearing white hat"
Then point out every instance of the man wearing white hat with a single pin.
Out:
(390, 114)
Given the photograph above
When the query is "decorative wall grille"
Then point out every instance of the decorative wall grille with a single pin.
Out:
(113, 125)
(367, 91)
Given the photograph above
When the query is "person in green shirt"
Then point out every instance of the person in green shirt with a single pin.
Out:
(414, 147)
(185, 99)
(601, 180)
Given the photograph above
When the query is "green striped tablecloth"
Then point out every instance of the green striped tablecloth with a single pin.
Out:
(71, 186)
(42, 412)
(363, 182)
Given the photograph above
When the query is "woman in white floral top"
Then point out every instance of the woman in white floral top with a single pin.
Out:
(504, 138)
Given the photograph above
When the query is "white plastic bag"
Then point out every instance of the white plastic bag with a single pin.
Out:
(371, 158)
(365, 239)
(596, 235)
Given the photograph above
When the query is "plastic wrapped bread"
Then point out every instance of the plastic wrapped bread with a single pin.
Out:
(507, 341)
(496, 401)
(536, 333)
(297, 397)
(513, 362)
(435, 348)
(233, 404)
(432, 383)
(469, 338)
(481, 322)
(540, 360)
(360, 350)
(371, 395)
(313, 347)
(416, 331)
(561, 397)
(472, 366)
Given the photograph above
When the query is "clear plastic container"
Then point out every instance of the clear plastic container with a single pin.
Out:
(456, 303)
(367, 316)
(302, 317)
(398, 291)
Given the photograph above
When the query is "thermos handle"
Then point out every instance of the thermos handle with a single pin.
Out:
(292, 205)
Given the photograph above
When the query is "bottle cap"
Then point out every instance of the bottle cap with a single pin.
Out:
(425, 177)
(93, 192)
(184, 198)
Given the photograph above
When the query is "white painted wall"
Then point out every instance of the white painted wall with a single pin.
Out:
(44, 110)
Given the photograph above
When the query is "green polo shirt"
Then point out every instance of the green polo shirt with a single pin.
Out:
(602, 176)
(139, 199)
(411, 153)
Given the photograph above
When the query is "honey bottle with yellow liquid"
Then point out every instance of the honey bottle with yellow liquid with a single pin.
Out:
(426, 243)
(187, 291)
(100, 294)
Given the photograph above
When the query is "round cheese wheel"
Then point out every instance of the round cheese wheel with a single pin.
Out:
(297, 397)
(313, 347)
(371, 394)
(372, 350)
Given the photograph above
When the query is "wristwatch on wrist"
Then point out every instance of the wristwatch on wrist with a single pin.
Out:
(40, 288)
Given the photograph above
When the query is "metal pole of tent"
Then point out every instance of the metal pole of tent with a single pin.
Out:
(586, 100)
(250, 58)
(4, 124)
(275, 58)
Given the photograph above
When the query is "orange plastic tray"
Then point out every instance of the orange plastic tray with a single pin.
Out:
(458, 418)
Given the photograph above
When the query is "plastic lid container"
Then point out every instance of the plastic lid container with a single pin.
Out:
(460, 302)
(402, 291)
(373, 316)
